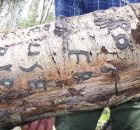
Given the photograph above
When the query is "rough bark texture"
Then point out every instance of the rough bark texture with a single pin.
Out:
(75, 64)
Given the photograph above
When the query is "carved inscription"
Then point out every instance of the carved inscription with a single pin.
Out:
(60, 26)
(6, 68)
(78, 53)
(32, 53)
(100, 21)
(7, 82)
(36, 65)
(37, 84)
(112, 23)
(107, 69)
(82, 76)
(34, 30)
(46, 27)
(125, 25)
(121, 41)
(2, 51)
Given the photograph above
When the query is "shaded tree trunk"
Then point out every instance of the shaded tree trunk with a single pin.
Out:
(75, 64)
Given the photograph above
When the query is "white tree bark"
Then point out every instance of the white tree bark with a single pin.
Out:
(81, 63)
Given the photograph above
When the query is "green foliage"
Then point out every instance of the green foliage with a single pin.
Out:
(50, 17)
(31, 21)
(104, 117)
(25, 24)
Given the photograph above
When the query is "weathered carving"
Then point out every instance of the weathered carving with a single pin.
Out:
(36, 65)
(37, 84)
(82, 76)
(2, 51)
(36, 29)
(30, 53)
(7, 82)
(6, 67)
(125, 25)
(46, 27)
(60, 26)
(121, 41)
(100, 21)
(78, 53)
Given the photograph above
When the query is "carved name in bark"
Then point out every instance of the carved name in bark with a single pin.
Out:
(80, 63)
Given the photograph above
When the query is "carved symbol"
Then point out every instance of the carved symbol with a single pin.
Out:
(121, 41)
(60, 26)
(78, 53)
(8, 83)
(30, 53)
(37, 84)
(6, 67)
(36, 65)
(82, 76)
(46, 27)
(2, 51)
(107, 69)
(100, 21)
(36, 29)
(125, 25)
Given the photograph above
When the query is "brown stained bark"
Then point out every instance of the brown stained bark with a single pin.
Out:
(75, 64)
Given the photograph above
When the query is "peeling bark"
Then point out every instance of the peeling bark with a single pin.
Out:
(75, 64)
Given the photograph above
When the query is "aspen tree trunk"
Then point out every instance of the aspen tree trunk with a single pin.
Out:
(74, 64)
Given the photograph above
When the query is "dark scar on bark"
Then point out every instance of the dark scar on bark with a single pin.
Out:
(30, 53)
(74, 92)
(136, 33)
(7, 82)
(36, 65)
(115, 75)
(78, 53)
(37, 84)
(82, 76)
(121, 38)
(6, 68)
(2, 51)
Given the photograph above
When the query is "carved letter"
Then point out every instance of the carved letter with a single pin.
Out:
(78, 53)
(121, 41)
(6, 67)
(125, 25)
(82, 76)
(37, 84)
(36, 65)
(7, 82)
(30, 53)
(2, 51)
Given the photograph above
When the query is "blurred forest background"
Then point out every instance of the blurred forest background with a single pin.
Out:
(24, 13)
